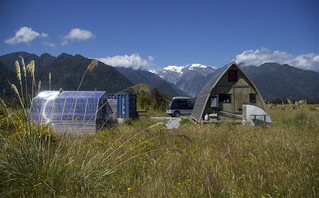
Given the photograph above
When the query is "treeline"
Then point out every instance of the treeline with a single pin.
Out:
(293, 100)
(155, 99)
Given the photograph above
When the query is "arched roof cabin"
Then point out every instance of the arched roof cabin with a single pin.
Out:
(226, 94)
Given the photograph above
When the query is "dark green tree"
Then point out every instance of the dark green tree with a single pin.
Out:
(159, 101)
(143, 99)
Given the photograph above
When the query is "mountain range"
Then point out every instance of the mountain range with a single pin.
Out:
(67, 70)
(189, 78)
(272, 80)
(140, 76)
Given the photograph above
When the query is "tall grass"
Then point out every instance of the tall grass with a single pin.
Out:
(34, 161)
(193, 161)
(143, 159)
(228, 161)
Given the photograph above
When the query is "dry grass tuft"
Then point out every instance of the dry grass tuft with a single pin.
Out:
(23, 67)
(50, 81)
(92, 65)
(18, 71)
(141, 87)
(15, 89)
(31, 68)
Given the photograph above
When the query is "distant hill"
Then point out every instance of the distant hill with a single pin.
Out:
(44, 60)
(283, 81)
(8, 60)
(272, 80)
(153, 80)
(7, 76)
(66, 71)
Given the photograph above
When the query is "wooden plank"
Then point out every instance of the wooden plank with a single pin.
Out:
(142, 113)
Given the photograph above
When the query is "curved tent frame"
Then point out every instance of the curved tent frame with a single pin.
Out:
(71, 111)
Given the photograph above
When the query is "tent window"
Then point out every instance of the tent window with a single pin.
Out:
(213, 101)
(225, 98)
(252, 98)
(232, 76)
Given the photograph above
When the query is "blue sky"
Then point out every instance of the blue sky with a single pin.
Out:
(160, 33)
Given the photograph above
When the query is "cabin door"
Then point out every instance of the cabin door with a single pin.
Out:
(241, 96)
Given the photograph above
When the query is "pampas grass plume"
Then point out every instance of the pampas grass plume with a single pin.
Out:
(39, 86)
(50, 81)
(30, 67)
(141, 87)
(15, 89)
(92, 65)
(18, 71)
(23, 66)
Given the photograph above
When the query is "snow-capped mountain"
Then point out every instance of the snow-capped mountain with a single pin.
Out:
(170, 73)
(189, 78)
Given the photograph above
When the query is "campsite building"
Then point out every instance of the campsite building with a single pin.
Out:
(228, 96)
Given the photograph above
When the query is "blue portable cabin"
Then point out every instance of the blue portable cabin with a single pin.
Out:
(72, 111)
(124, 105)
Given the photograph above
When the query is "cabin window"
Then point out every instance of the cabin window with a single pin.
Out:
(213, 101)
(225, 98)
(252, 98)
(232, 76)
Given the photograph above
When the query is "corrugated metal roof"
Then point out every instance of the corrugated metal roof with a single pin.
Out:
(205, 93)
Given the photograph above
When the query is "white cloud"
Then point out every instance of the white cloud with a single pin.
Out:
(260, 56)
(44, 35)
(24, 35)
(77, 34)
(134, 60)
(64, 42)
(52, 45)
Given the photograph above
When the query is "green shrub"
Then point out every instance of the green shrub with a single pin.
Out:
(311, 108)
(185, 121)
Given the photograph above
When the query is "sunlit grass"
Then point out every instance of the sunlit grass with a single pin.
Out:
(140, 158)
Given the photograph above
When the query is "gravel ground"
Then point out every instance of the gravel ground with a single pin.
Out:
(173, 123)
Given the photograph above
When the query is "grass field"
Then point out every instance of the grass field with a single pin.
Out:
(142, 159)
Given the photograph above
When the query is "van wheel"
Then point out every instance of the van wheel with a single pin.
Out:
(176, 114)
